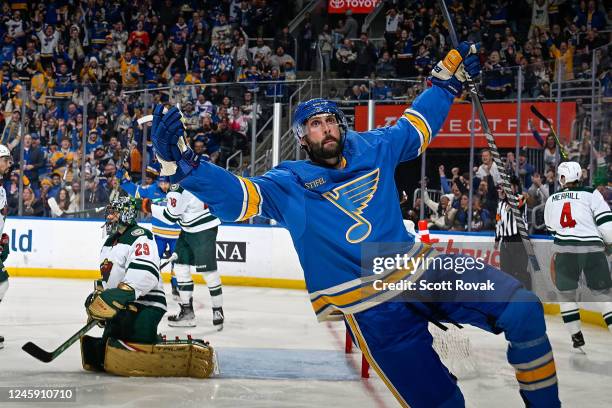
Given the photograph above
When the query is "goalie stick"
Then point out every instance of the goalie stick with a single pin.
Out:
(46, 356)
(520, 222)
(58, 212)
(544, 119)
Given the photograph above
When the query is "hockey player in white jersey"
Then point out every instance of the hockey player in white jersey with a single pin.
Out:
(196, 251)
(129, 302)
(581, 223)
(5, 165)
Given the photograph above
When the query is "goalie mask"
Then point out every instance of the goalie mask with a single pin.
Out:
(316, 107)
(569, 172)
(125, 209)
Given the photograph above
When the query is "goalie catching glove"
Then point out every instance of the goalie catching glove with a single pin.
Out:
(173, 153)
(459, 64)
(104, 305)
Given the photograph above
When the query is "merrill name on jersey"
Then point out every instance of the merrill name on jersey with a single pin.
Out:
(562, 196)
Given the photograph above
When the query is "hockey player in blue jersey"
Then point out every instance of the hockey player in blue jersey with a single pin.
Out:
(342, 202)
(165, 234)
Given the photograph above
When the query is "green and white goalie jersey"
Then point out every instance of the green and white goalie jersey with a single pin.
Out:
(185, 209)
(579, 219)
(132, 258)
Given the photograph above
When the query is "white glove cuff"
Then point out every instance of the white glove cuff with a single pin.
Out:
(168, 168)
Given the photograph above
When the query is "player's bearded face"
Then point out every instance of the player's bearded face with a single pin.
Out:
(323, 136)
(5, 164)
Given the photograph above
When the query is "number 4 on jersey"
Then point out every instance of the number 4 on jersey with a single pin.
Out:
(566, 217)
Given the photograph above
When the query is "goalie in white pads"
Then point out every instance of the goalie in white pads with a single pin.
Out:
(581, 222)
(129, 301)
(196, 251)
(5, 164)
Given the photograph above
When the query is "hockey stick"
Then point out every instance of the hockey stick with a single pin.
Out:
(544, 119)
(520, 222)
(58, 212)
(173, 258)
(46, 356)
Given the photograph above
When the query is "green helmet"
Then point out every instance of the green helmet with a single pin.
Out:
(126, 208)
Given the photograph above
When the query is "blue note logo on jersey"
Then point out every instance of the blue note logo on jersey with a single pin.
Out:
(352, 198)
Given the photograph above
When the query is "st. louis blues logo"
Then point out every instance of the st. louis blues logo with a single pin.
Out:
(352, 198)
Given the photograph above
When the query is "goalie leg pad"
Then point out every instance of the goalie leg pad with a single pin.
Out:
(92, 353)
(189, 358)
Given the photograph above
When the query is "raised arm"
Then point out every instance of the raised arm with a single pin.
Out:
(229, 197)
(233, 198)
(419, 124)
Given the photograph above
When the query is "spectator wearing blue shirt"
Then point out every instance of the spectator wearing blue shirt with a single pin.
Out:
(93, 141)
(8, 49)
(381, 91)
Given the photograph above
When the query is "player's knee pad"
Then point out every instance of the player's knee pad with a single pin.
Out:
(4, 285)
(523, 318)
(602, 295)
(213, 278)
(182, 272)
(178, 358)
(567, 296)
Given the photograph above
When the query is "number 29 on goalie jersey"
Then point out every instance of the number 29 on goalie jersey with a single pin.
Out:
(132, 258)
(578, 216)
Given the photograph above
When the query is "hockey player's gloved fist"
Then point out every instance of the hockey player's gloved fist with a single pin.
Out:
(106, 304)
(459, 64)
(5, 247)
(175, 156)
(98, 288)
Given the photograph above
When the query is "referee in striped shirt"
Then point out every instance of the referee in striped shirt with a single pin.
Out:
(513, 257)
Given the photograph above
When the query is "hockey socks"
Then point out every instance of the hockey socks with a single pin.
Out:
(571, 316)
(213, 281)
(529, 350)
(184, 283)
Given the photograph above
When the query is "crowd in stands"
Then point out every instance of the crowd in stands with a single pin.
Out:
(75, 71)
(555, 32)
(74, 74)
(537, 179)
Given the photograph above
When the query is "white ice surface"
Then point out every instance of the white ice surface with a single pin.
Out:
(273, 353)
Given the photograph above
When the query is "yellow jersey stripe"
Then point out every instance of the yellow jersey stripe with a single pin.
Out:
(245, 200)
(537, 374)
(421, 126)
(156, 230)
(366, 291)
(363, 346)
(253, 199)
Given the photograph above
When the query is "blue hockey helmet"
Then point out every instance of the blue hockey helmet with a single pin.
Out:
(306, 110)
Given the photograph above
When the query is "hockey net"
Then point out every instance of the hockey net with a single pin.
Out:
(455, 350)
(452, 345)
